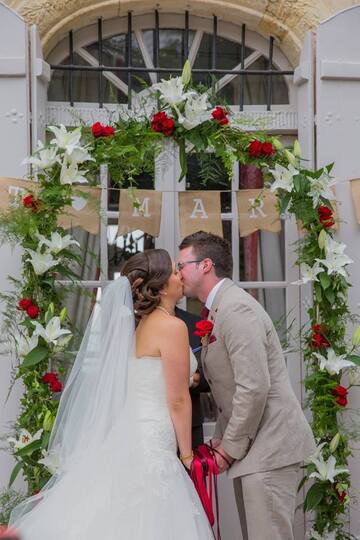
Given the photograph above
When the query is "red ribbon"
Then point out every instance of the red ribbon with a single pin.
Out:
(203, 473)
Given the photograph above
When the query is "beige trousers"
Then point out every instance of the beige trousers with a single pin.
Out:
(266, 503)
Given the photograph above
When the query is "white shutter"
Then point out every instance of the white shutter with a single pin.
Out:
(338, 141)
(40, 77)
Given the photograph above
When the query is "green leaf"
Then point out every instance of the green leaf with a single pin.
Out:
(318, 293)
(297, 183)
(354, 358)
(14, 473)
(182, 159)
(325, 280)
(285, 202)
(330, 296)
(314, 496)
(29, 448)
(303, 480)
(35, 357)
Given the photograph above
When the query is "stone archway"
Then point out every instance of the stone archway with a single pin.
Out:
(286, 20)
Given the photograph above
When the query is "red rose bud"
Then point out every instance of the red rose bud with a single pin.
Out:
(267, 149)
(220, 114)
(24, 303)
(28, 201)
(97, 129)
(341, 496)
(342, 401)
(326, 216)
(340, 391)
(203, 328)
(319, 342)
(49, 377)
(108, 131)
(316, 328)
(162, 123)
(33, 311)
(56, 386)
(255, 149)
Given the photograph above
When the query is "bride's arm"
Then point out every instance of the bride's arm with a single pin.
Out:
(174, 350)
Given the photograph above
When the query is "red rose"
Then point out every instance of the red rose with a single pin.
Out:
(203, 328)
(49, 377)
(342, 401)
(56, 386)
(326, 216)
(97, 129)
(319, 342)
(33, 311)
(255, 148)
(24, 303)
(267, 149)
(340, 391)
(316, 328)
(108, 131)
(168, 127)
(341, 496)
(220, 114)
(28, 201)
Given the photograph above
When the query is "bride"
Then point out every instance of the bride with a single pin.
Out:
(124, 411)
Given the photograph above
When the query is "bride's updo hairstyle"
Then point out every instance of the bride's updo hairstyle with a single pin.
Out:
(147, 272)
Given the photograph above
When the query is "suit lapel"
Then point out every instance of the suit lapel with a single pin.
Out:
(214, 308)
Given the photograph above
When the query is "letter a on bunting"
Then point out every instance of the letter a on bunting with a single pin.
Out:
(257, 211)
(200, 211)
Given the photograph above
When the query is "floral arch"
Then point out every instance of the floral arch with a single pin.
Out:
(38, 325)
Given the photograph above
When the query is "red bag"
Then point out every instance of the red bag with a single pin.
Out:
(203, 473)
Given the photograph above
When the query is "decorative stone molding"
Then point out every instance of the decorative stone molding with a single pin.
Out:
(62, 113)
(286, 20)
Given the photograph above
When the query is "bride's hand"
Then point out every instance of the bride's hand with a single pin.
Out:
(187, 463)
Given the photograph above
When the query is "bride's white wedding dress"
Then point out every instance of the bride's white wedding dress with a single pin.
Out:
(130, 487)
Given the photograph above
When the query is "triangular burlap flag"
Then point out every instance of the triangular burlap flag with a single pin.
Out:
(257, 211)
(84, 211)
(355, 192)
(145, 215)
(200, 211)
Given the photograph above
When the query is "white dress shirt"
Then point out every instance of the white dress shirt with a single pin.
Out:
(212, 294)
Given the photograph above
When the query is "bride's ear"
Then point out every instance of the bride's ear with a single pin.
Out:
(162, 292)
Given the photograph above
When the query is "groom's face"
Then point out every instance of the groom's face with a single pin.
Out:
(191, 272)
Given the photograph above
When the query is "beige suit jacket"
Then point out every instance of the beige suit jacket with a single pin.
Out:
(260, 421)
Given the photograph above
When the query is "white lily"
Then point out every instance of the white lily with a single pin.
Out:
(70, 173)
(52, 331)
(172, 91)
(195, 112)
(50, 460)
(284, 177)
(321, 187)
(24, 438)
(309, 273)
(67, 140)
(326, 470)
(333, 363)
(332, 247)
(336, 264)
(41, 262)
(316, 454)
(57, 242)
(26, 344)
(43, 158)
(78, 155)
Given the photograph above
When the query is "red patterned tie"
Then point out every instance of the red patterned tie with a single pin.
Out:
(204, 313)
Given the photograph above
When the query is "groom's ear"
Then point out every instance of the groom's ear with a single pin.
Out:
(207, 265)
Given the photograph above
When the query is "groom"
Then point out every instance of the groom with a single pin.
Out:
(261, 431)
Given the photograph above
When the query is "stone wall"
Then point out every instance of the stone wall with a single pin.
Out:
(286, 20)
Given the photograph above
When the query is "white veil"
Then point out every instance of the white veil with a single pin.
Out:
(95, 391)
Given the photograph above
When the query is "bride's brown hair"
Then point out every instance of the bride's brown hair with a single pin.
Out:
(147, 272)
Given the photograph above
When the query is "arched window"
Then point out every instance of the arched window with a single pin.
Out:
(166, 47)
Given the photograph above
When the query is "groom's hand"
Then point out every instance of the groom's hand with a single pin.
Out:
(223, 463)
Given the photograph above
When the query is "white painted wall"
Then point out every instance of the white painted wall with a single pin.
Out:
(14, 145)
(338, 136)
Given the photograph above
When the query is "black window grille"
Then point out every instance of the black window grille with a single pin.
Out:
(131, 70)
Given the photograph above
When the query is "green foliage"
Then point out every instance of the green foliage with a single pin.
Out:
(9, 498)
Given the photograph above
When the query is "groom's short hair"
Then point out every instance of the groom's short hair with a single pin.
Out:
(206, 245)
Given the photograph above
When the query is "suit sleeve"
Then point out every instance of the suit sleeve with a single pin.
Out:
(245, 341)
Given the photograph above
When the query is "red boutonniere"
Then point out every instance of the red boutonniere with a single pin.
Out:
(203, 330)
